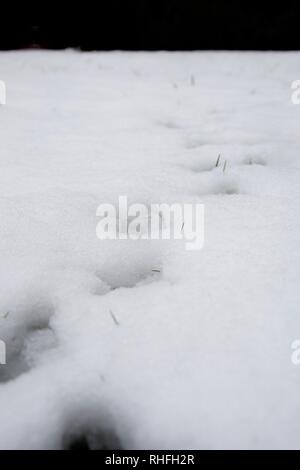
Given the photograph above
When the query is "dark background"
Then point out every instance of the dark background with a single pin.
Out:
(165, 24)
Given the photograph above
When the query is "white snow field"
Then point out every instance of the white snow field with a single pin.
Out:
(101, 348)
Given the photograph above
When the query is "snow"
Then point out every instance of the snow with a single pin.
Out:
(100, 344)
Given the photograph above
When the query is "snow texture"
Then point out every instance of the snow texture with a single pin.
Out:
(142, 344)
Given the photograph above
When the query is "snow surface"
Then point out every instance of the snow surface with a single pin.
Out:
(99, 346)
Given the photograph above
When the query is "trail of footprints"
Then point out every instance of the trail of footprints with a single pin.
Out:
(31, 336)
(28, 335)
(220, 181)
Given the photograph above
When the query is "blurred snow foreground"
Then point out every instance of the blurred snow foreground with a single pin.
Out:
(143, 344)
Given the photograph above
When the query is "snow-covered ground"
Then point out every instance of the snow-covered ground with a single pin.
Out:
(99, 344)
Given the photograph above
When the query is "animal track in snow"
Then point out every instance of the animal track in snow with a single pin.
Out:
(26, 338)
(195, 143)
(121, 277)
(214, 178)
(204, 166)
(227, 186)
(130, 262)
(91, 440)
(254, 161)
(87, 429)
(169, 124)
